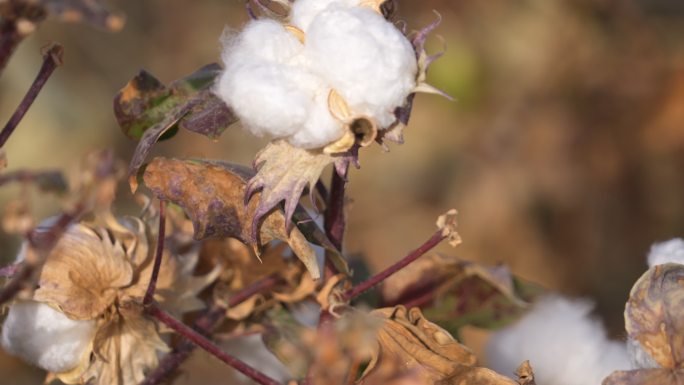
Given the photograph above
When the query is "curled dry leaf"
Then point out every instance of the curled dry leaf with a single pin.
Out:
(148, 111)
(240, 269)
(409, 343)
(654, 317)
(212, 195)
(454, 292)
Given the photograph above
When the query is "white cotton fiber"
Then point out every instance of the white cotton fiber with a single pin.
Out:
(304, 11)
(671, 251)
(364, 58)
(278, 85)
(564, 344)
(45, 337)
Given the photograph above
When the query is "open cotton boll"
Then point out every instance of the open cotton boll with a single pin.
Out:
(563, 343)
(671, 251)
(366, 59)
(304, 11)
(46, 337)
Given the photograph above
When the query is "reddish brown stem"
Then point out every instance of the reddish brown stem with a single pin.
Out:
(151, 287)
(51, 60)
(204, 325)
(436, 238)
(209, 346)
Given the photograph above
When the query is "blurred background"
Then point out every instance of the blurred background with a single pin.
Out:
(564, 150)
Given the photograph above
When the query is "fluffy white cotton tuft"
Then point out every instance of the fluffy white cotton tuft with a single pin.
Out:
(45, 337)
(564, 344)
(278, 85)
(671, 251)
(364, 57)
(304, 11)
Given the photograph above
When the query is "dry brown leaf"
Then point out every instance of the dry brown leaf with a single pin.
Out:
(409, 343)
(654, 315)
(126, 345)
(213, 196)
(284, 171)
(463, 292)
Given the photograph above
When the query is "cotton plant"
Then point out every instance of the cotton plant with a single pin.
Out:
(330, 77)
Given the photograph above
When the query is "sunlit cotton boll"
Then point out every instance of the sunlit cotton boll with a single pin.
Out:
(564, 344)
(46, 337)
(671, 251)
(365, 58)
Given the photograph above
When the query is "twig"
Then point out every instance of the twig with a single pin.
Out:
(209, 346)
(149, 294)
(205, 324)
(436, 238)
(52, 58)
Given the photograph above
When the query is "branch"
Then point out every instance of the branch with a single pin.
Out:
(436, 238)
(149, 294)
(209, 346)
(52, 58)
(205, 324)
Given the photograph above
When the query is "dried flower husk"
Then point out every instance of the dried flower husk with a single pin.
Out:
(101, 272)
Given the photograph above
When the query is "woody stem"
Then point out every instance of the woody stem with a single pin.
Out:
(209, 346)
(361, 288)
(151, 287)
(51, 60)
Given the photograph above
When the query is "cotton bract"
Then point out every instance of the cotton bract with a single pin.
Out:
(279, 78)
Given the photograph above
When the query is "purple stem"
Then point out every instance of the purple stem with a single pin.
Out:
(149, 294)
(204, 325)
(361, 288)
(209, 346)
(52, 58)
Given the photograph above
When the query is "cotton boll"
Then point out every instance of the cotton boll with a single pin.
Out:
(304, 11)
(366, 59)
(666, 252)
(563, 343)
(46, 337)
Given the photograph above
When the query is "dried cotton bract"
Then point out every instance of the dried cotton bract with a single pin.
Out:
(336, 68)
(84, 322)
